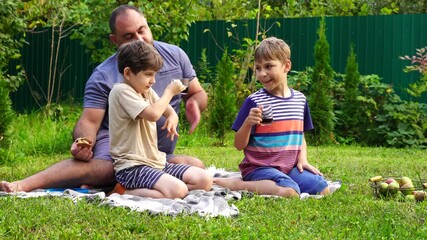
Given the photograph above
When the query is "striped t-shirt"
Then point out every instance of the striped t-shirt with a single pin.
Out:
(277, 145)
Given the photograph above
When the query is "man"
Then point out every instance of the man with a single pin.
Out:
(93, 165)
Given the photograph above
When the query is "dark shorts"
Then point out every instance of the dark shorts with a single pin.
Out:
(101, 149)
(146, 177)
(305, 182)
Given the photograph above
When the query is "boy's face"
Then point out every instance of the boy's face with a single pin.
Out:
(272, 74)
(142, 81)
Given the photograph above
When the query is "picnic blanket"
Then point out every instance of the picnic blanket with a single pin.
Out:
(213, 203)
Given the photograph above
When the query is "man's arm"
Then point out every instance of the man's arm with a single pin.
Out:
(195, 103)
(87, 126)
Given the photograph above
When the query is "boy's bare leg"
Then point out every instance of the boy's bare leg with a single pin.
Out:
(166, 187)
(192, 161)
(326, 191)
(197, 178)
(67, 173)
(265, 187)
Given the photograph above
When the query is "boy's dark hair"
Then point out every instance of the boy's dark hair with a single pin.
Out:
(119, 10)
(138, 56)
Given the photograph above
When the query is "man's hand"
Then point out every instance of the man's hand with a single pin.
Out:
(192, 112)
(81, 149)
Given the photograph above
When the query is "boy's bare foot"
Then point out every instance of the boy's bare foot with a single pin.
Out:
(9, 187)
(232, 183)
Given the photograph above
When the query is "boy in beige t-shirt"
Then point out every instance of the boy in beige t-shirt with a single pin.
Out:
(134, 108)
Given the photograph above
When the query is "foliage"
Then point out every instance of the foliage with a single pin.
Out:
(222, 103)
(403, 124)
(244, 9)
(226, 10)
(204, 71)
(59, 18)
(168, 22)
(12, 27)
(418, 64)
(316, 8)
(321, 98)
(12, 33)
(5, 120)
(300, 80)
(243, 55)
(94, 37)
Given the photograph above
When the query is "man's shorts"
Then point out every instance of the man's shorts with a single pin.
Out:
(146, 177)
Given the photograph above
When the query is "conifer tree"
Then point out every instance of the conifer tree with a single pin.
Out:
(351, 106)
(223, 102)
(320, 102)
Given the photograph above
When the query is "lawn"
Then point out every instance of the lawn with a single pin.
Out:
(350, 213)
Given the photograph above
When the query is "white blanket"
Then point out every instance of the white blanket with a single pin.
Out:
(207, 204)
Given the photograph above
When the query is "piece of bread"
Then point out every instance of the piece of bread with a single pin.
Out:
(83, 142)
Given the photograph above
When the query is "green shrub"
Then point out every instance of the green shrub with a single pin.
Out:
(5, 119)
(223, 102)
(348, 109)
(321, 98)
(403, 124)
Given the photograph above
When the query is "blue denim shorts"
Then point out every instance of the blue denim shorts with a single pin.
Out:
(301, 182)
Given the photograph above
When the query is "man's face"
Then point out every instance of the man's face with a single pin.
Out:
(131, 26)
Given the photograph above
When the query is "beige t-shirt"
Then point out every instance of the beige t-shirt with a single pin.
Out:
(133, 140)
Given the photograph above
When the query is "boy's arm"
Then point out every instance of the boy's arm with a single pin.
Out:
(303, 162)
(171, 122)
(153, 112)
(241, 138)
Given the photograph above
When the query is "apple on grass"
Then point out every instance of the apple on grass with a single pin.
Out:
(410, 197)
(405, 180)
(383, 186)
(407, 188)
(420, 195)
(393, 188)
(390, 180)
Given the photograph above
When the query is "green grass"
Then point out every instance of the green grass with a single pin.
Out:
(350, 213)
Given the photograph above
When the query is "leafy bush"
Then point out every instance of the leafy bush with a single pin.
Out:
(6, 118)
(418, 64)
(403, 124)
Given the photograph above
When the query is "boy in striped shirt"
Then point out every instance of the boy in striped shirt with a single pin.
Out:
(275, 161)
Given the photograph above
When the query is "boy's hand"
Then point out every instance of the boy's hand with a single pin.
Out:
(176, 86)
(254, 117)
(170, 125)
(307, 166)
